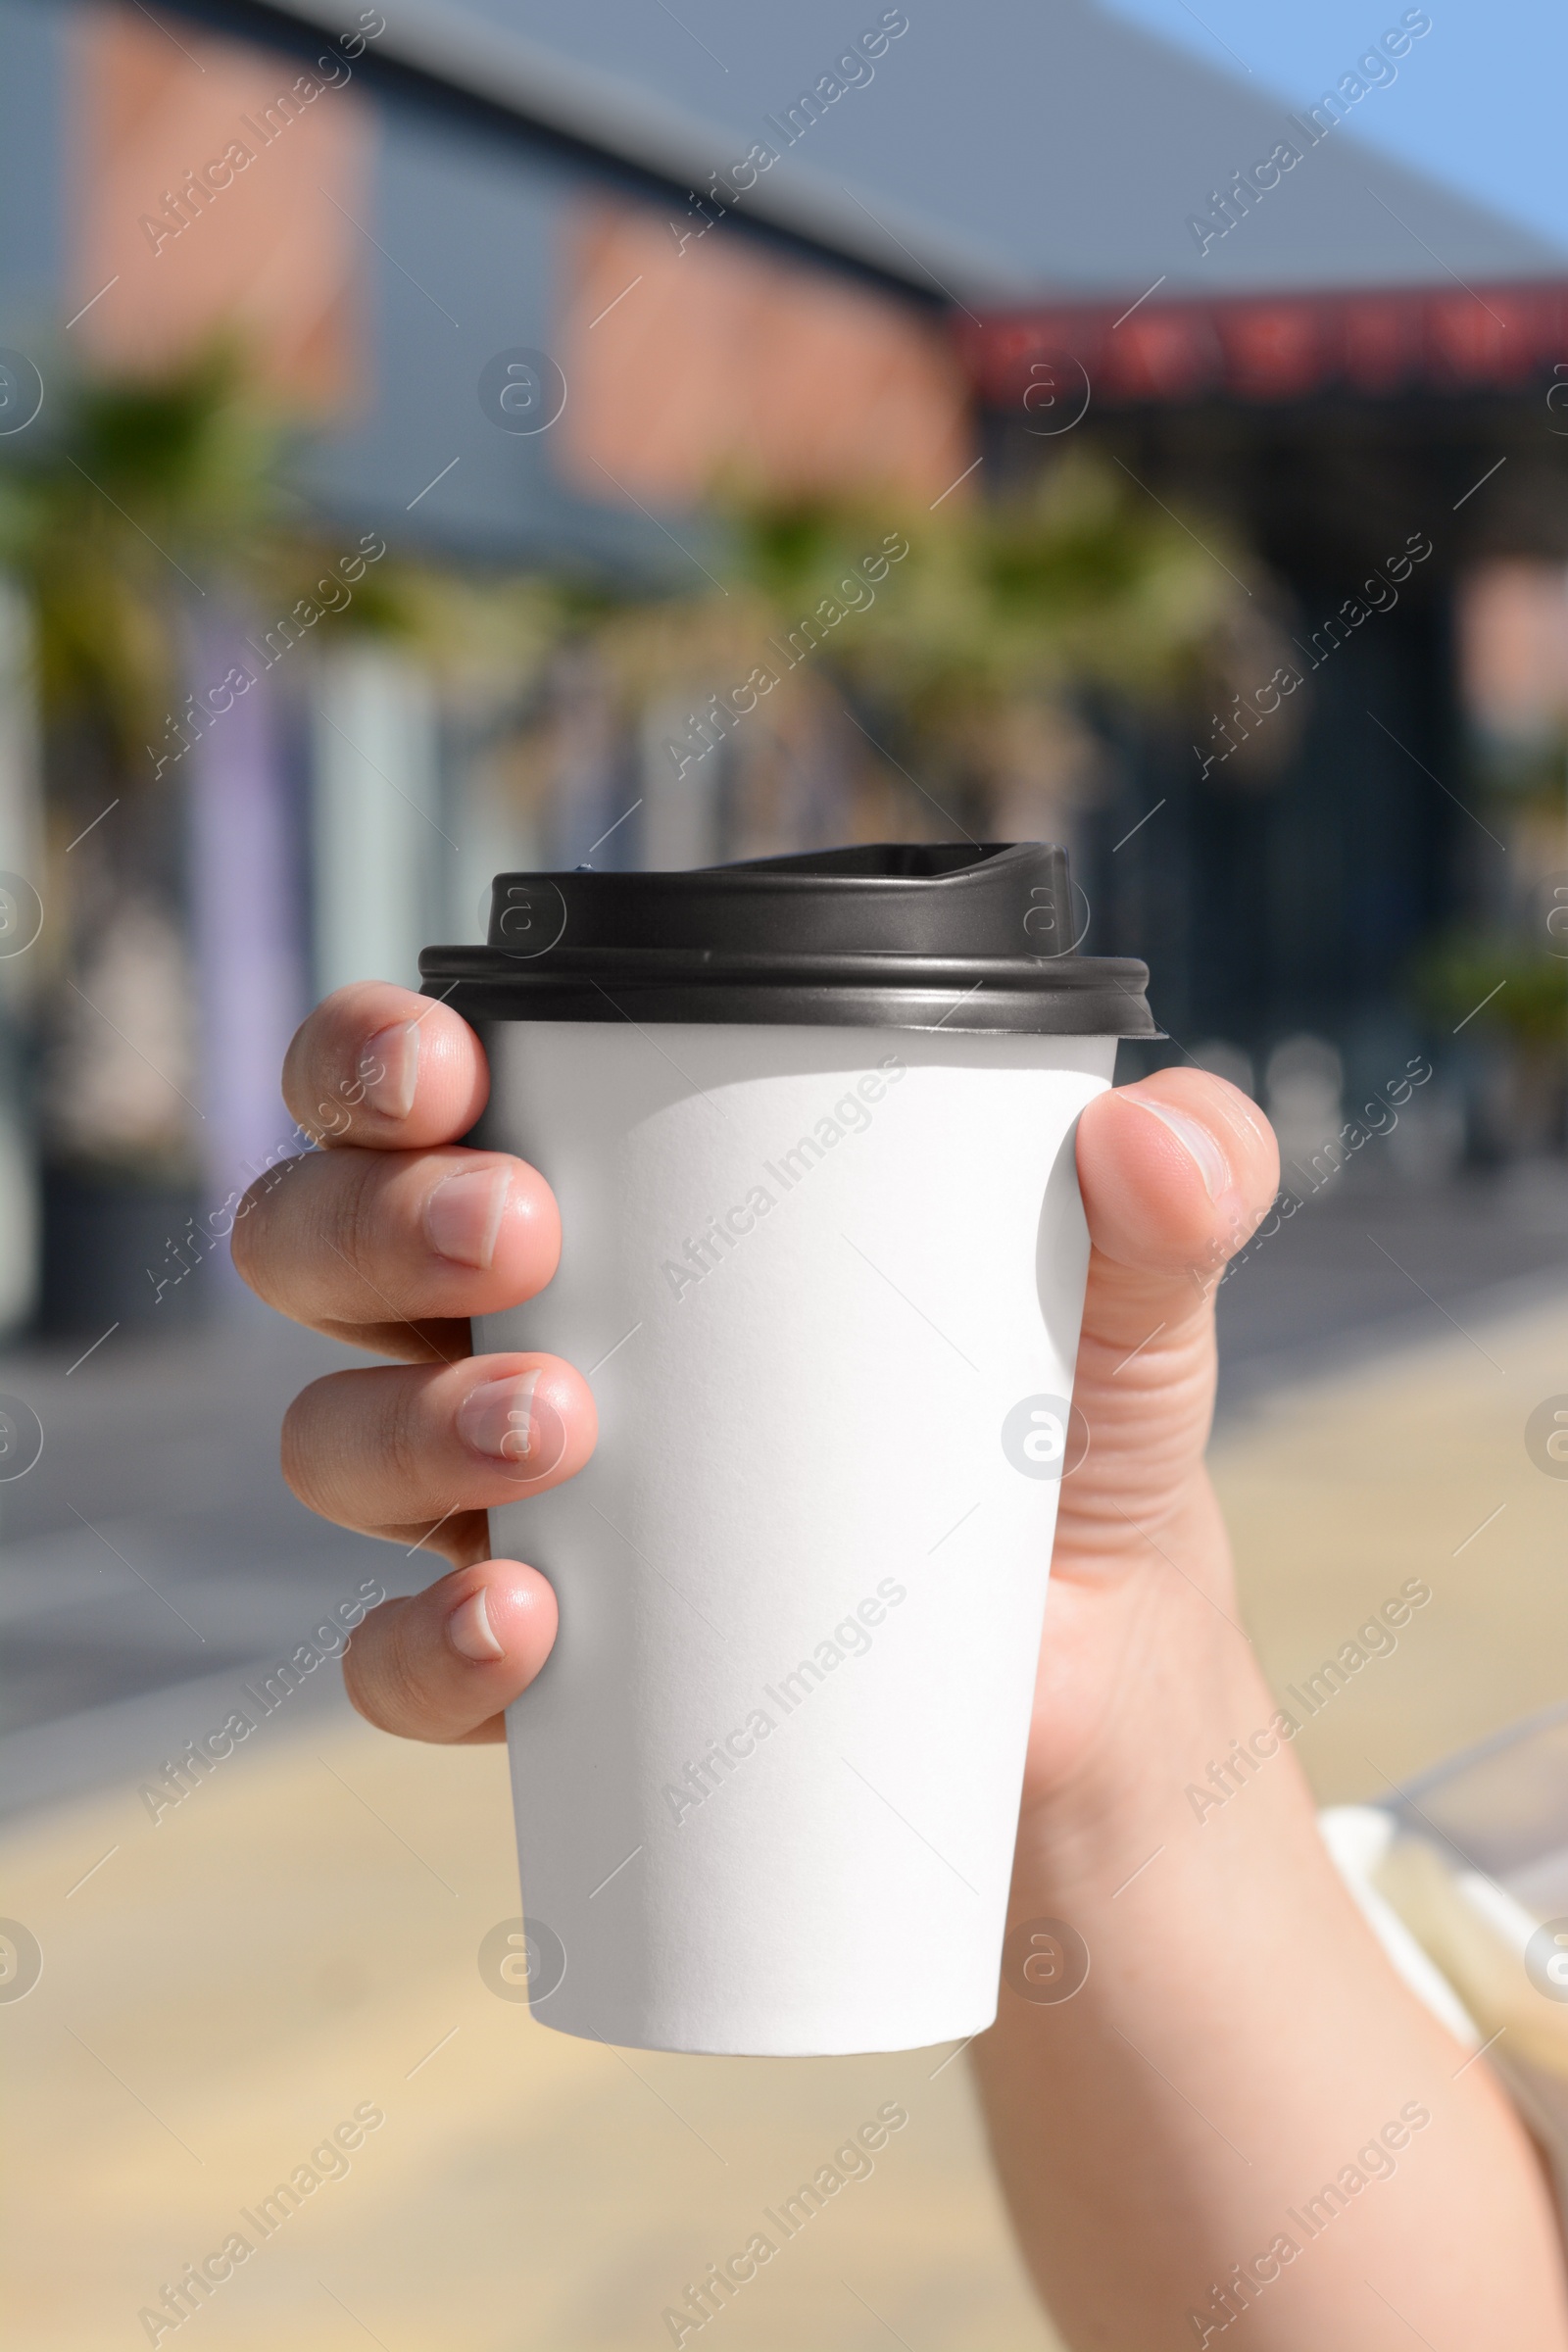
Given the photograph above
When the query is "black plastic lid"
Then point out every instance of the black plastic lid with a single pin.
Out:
(891, 935)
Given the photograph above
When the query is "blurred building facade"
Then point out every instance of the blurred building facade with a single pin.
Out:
(531, 280)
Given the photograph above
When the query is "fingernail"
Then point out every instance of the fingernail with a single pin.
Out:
(388, 1068)
(1212, 1164)
(462, 1215)
(468, 1629)
(498, 1419)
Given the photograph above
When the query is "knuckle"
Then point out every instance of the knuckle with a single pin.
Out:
(365, 1661)
(346, 1223)
(306, 1237)
(255, 1228)
(403, 1442)
(297, 1063)
(381, 1671)
(243, 1248)
(356, 1447)
(298, 1449)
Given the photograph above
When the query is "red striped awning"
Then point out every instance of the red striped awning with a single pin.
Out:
(1270, 347)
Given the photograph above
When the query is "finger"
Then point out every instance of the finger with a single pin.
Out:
(395, 1249)
(378, 1066)
(399, 1451)
(443, 1665)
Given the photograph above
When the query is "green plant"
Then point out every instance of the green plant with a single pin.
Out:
(963, 657)
(1492, 981)
(1076, 578)
(138, 508)
(152, 497)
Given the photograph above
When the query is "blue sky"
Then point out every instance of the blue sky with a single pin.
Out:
(1479, 102)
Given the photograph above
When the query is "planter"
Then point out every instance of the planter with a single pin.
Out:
(107, 1245)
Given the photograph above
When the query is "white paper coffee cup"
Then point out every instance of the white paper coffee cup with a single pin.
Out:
(825, 1277)
(826, 1284)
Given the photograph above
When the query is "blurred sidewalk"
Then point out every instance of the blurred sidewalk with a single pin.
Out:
(154, 1555)
(298, 1941)
(299, 1937)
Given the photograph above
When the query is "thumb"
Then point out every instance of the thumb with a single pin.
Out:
(1175, 1172)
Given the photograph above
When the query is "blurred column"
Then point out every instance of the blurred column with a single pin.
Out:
(247, 922)
(21, 885)
(383, 857)
(592, 786)
(682, 809)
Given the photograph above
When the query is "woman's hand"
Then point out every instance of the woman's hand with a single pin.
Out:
(393, 1236)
